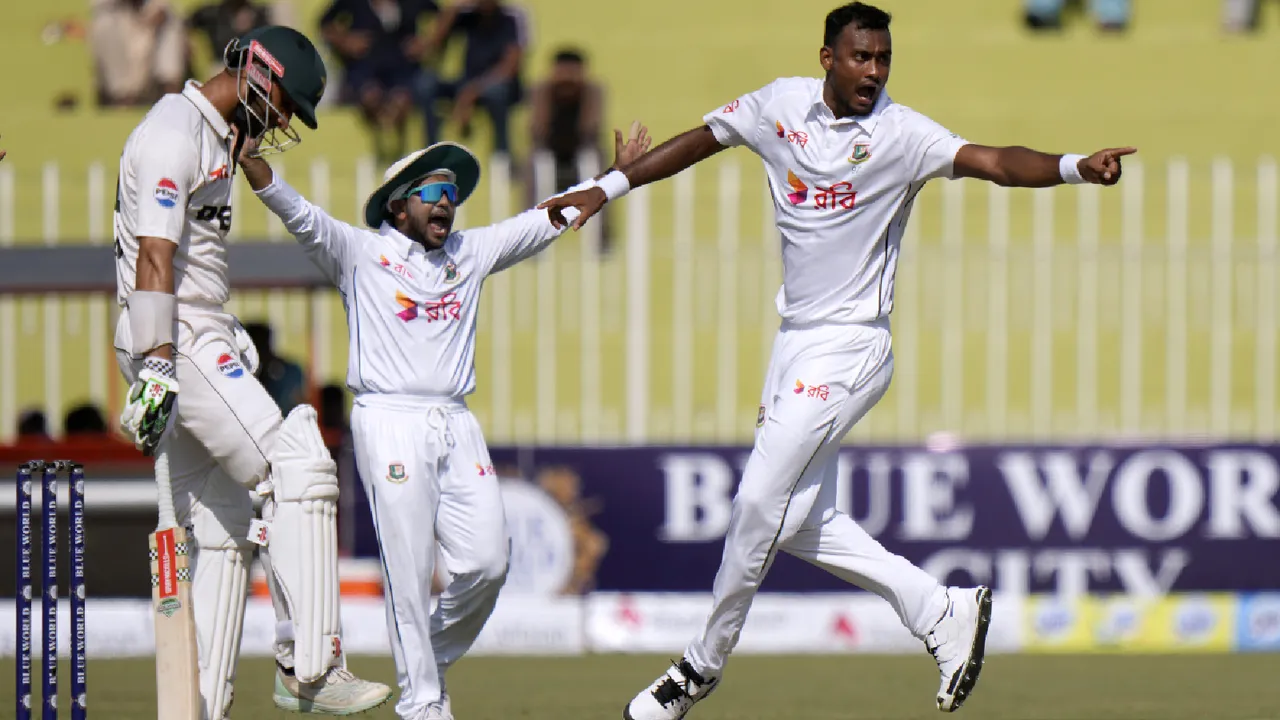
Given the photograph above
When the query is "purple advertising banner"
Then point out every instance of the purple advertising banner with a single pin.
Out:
(1019, 518)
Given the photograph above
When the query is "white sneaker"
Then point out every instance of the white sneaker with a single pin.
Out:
(337, 693)
(670, 696)
(958, 642)
(437, 711)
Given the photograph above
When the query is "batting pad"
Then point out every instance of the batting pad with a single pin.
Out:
(303, 541)
(221, 587)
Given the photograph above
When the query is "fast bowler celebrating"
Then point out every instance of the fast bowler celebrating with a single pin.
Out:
(411, 287)
(172, 216)
(844, 163)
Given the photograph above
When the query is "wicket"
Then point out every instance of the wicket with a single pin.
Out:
(49, 604)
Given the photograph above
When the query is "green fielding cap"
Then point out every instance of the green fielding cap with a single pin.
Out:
(294, 62)
(441, 156)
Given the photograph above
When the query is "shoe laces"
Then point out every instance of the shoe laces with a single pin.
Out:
(671, 690)
(339, 674)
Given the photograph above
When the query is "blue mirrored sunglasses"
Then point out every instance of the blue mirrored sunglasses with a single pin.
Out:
(431, 192)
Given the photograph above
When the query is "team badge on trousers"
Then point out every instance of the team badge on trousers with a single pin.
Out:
(396, 473)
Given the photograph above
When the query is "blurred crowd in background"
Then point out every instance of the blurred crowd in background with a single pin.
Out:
(1114, 15)
(385, 59)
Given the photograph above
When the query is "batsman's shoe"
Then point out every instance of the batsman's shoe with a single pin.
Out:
(337, 693)
(958, 642)
(439, 710)
(672, 695)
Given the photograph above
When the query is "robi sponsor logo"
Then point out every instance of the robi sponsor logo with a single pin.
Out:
(230, 366)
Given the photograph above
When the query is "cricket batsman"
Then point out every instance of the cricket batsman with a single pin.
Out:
(844, 163)
(411, 286)
(186, 357)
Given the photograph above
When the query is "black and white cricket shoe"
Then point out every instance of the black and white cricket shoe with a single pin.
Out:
(670, 696)
(958, 642)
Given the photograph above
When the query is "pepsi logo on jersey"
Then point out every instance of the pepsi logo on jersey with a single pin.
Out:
(230, 366)
(166, 193)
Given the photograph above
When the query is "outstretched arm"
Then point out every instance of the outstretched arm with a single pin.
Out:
(680, 152)
(326, 241)
(510, 241)
(1022, 167)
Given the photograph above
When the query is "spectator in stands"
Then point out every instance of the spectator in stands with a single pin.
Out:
(496, 37)
(1111, 15)
(32, 426)
(333, 408)
(568, 109)
(221, 22)
(283, 379)
(380, 48)
(1240, 15)
(85, 419)
(139, 51)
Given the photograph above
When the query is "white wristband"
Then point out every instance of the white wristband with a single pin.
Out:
(614, 184)
(151, 320)
(1069, 168)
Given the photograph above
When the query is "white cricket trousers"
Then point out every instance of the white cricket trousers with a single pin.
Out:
(821, 380)
(429, 479)
(224, 430)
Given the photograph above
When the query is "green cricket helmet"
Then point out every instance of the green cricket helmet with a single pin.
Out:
(269, 55)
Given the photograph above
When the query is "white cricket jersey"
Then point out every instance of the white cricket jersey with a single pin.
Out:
(842, 190)
(175, 184)
(411, 312)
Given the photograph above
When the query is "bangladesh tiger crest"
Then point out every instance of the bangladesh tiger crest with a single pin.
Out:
(396, 473)
(861, 153)
(451, 274)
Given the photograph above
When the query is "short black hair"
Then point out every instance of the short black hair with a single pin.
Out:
(860, 15)
(570, 55)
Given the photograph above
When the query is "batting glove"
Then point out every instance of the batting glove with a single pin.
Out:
(146, 415)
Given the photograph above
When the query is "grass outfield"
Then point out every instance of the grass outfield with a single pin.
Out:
(969, 65)
(1235, 687)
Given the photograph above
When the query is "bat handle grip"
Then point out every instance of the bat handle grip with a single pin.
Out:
(164, 489)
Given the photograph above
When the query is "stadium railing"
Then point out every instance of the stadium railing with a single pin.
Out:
(1149, 310)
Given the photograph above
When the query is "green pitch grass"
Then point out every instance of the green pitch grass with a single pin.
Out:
(1239, 687)
(1174, 86)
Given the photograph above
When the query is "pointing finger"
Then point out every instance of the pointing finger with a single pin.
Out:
(1121, 152)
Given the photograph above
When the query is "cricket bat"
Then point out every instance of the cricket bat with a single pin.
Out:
(177, 664)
